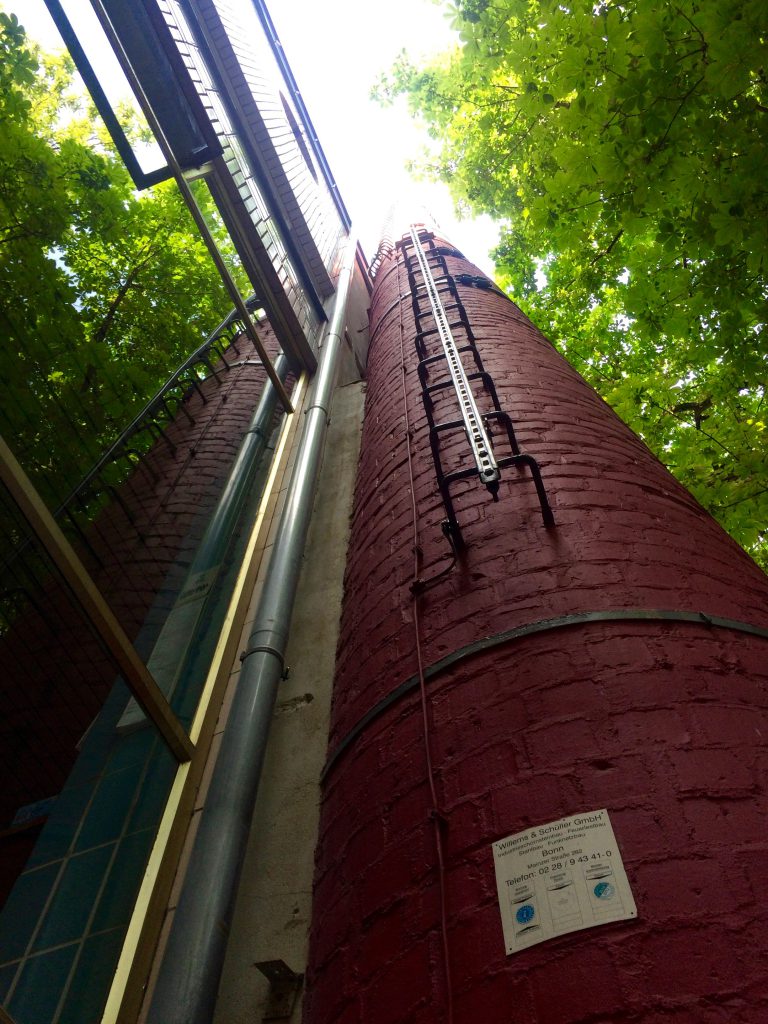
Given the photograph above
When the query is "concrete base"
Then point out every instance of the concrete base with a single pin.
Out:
(274, 903)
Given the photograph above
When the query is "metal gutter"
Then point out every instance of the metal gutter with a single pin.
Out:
(267, 186)
(195, 211)
(190, 971)
(298, 99)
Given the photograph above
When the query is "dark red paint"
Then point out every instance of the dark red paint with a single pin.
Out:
(663, 723)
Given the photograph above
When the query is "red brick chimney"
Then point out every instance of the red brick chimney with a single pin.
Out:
(618, 660)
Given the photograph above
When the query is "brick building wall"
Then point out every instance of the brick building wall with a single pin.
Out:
(56, 674)
(662, 721)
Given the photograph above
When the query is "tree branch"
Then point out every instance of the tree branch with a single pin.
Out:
(657, 145)
(694, 26)
(747, 497)
(606, 251)
(130, 282)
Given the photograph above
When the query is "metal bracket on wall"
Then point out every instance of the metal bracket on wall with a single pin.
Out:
(438, 312)
(284, 988)
(484, 283)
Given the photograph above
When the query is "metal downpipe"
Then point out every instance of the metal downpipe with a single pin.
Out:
(190, 972)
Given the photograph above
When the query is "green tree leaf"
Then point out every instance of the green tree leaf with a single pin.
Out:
(622, 148)
(103, 291)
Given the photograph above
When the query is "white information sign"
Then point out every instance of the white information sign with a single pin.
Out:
(560, 877)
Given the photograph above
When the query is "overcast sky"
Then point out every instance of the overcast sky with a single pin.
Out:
(336, 50)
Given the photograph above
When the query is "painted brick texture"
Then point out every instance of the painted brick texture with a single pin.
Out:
(664, 723)
(55, 673)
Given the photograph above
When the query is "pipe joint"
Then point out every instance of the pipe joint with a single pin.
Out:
(323, 408)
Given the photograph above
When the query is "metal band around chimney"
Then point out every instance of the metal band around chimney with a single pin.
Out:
(542, 626)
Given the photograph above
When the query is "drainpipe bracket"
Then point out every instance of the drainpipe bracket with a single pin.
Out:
(265, 649)
(284, 988)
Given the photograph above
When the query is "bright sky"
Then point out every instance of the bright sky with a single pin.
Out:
(336, 50)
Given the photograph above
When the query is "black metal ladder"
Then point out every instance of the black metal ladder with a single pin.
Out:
(439, 312)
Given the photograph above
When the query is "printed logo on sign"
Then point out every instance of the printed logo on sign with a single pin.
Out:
(560, 877)
(525, 914)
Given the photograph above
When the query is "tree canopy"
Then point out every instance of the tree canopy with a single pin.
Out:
(103, 290)
(623, 147)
